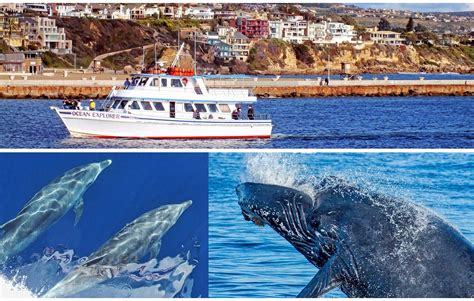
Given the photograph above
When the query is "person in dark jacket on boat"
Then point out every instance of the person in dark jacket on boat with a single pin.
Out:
(250, 113)
(235, 114)
(196, 114)
(126, 84)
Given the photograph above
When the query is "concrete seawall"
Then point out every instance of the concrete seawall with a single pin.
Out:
(50, 89)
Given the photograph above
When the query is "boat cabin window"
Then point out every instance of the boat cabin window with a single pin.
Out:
(224, 107)
(146, 106)
(212, 107)
(135, 105)
(116, 103)
(164, 82)
(197, 90)
(143, 81)
(200, 107)
(158, 106)
(123, 104)
(176, 83)
(188, 107)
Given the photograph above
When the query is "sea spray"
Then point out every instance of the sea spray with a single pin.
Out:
(278, 169)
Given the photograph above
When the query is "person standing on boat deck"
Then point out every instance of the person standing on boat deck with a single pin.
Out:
(235, 114)
(196, 114)
(250, 113)
(78, 105)
(91, 105)
(126, 84)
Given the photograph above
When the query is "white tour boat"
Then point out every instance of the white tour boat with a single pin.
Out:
(169, 105)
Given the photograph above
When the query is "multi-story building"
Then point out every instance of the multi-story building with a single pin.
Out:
(11, 31)
(122, 13)
(12, 8)
(138, 12)
(386, 37)
(29, 61)
(297, 30)
(240, 46)
(253, 28)
(225, 14)
(44, 33)
(340, 32)
(62, 9)
(200, 13)
(223, 50)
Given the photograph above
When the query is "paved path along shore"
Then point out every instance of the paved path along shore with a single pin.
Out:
(263, 87)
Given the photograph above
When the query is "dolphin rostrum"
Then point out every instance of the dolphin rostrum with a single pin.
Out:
(138, 238)
(46, 207)
(365, 243)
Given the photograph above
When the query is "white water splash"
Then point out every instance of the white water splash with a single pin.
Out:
(169, 277)
(278, 169)
(12, 289)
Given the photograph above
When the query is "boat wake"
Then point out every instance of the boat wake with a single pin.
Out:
(167, 278)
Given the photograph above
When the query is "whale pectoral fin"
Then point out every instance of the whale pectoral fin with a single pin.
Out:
(78, 209)
(155, 250)
(324, 281)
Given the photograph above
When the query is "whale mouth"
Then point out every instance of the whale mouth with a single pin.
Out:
(253, 218)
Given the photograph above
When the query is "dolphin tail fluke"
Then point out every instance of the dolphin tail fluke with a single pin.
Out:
(78, 209)
(155, 250)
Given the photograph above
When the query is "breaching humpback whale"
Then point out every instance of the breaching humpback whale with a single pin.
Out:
(135, 240)
(367, 244)
(46, 207)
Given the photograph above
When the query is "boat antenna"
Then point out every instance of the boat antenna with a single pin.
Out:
(179, 33)
(143, 57)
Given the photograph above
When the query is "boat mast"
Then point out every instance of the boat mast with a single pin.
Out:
(176, 58)
(195, 62)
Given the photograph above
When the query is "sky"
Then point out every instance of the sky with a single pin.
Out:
(424, 7)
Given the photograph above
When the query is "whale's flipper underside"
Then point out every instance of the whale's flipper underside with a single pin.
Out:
(155, 250)
(327, 279)
(78, 209)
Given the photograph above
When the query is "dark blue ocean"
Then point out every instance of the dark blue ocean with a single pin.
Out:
(133, 184)
(250, 261)
(334, 122)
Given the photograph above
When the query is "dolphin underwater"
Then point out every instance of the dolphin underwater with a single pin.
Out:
(367, 244)
(46, 207)
(135, 240)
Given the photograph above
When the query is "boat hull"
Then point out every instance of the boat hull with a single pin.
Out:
(99, 124)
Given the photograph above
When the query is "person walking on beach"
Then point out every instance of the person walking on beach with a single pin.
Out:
(250, 113)
(126, 84)
(91, 105)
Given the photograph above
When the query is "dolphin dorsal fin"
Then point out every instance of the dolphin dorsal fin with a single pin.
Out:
(78, 209)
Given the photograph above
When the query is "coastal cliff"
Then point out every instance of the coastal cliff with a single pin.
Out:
(276, 56)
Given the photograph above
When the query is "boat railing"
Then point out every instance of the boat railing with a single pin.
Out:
(230, 92)
(255, 117)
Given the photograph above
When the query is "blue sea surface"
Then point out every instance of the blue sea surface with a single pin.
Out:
(333, 122)
(133, 184)
(249, 261)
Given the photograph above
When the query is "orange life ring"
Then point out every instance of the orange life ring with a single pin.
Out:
(185, 81)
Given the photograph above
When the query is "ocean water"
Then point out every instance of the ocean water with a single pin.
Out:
(133, 184)
(334, 122)
(250, 261)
